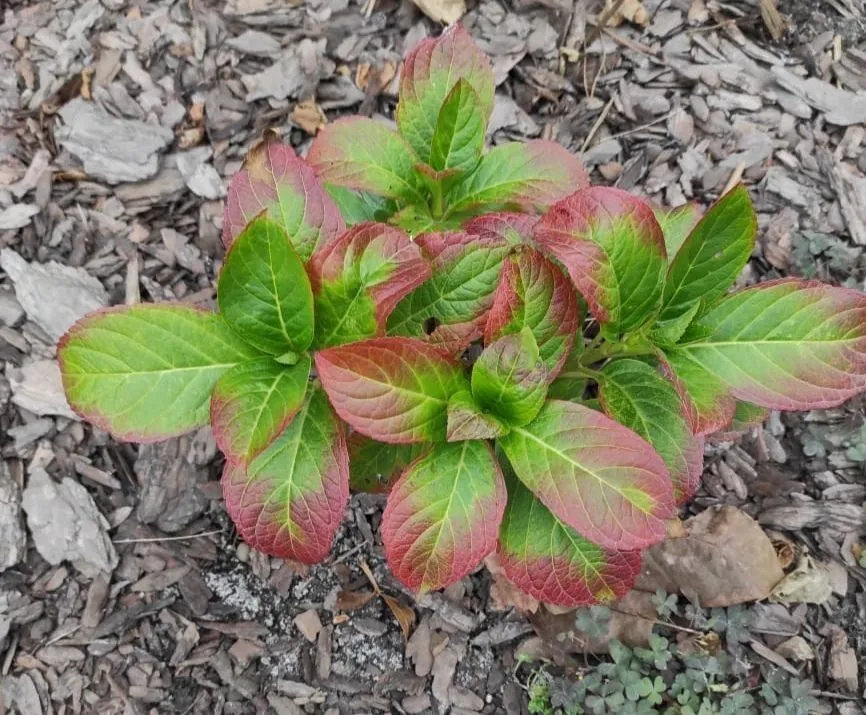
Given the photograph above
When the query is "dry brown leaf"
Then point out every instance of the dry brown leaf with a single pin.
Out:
(444, 11)
(631, 11)
(405, 616)
(698, 13)
(773, 20)
(504, 595)
(352, 600)
(309, 116)
(808, 583)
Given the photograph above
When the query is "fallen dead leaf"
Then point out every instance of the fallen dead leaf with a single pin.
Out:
(309, 116)
(352, 600)
(724, 559)
(628, 11)
(773, 20)
(809, 582)
(404, 614)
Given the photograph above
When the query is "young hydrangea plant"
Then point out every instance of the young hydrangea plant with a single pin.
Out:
(438, 348)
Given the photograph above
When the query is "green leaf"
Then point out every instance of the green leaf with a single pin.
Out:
(613, 249)
(359, 278)
(570, 382)
(552, 562)
(676, 225)
(365, 154)
(595, 475)
(458, 138)
(529, 177)
(290, 501)
(784, 345)
(360, 206)
(263, 290)
(442, 517)
(637, 396)
(431, 71)
(711, 258)
(375, 466)
(253, 402)
(669, 332)
(466, 420)
(146, 372)
(509, 379)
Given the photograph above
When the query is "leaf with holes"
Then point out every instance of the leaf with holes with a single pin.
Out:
(528, 177)
(253, 402)
(509, 379)
(146, 372)
(357, 280)
(365, 154)
(552, 562)
(375, 466)
(391, 389)
(442, 517)
(513, 228)
(465, 273)
(432, 70)
(676, 225)
(534, 293)
(290, 501)
(458, 138)
(637, 396)
(712, 256)
(263, 290)
(273, 179)
(784, 345)
(595, 475)
(467, 420)
(614, 251)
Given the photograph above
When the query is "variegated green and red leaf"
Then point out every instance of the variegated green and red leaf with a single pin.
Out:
(443, 515)
(254, 402)
(430, 73)
(290, 500)
(785, 345)
(275, 180)
(366, 155)
(513, 228)
(451, 307)
(534, 293)
(594, 474)
(391, 389)
(552, 562)
(375, 466)
(637, 396)
(514, 176)
(468, 420)
(614, 251)
(359, 278)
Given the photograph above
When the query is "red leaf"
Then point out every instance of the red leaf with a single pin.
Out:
(509, 227)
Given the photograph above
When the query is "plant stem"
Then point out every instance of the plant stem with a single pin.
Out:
(437, 208)
(613, 349)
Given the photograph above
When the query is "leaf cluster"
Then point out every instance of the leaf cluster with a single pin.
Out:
(523, 362)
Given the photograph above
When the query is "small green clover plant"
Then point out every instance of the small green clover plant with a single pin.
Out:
(406, 311)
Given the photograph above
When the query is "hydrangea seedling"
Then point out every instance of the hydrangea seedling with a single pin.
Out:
(403, 311)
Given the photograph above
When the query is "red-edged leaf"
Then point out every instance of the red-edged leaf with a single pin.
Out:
(707, 403)
(458, 138)
(443, 515)
(290, 501)
(430, 73)
(614, 251)
(676, 225)
(467, 420)
(253, 402)
(365, 154)
(358, 279)
(552, 562)
(455, 301)
(512, 228)
(637, 396)
(146, 372)
(509, 380)
(534, 293)
(595, 475)
(275, 180)
(785, 345)
(375, 466)
(528, 177)
(391, 389)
